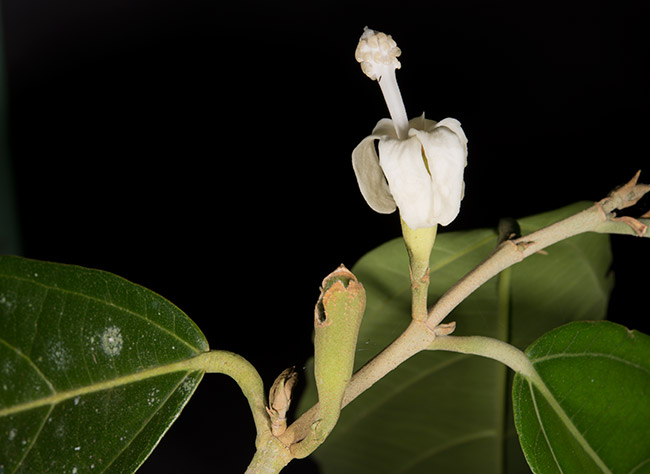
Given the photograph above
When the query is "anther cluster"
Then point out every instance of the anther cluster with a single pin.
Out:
(376, 52)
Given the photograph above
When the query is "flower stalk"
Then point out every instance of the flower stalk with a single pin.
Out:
(419, 244)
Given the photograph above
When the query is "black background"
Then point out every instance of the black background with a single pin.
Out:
(202, 149)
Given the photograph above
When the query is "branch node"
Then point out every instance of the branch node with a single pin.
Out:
(601, 211)
(519, 246)
(626, 195)
(638, 227)
(445, 329)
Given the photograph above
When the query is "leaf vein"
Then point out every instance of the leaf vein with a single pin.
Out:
(441, 448)
(639, 466)
(31, 363)
(368, 410)
(541, 425)
(107, 303)
(33, 441)
(594, 355)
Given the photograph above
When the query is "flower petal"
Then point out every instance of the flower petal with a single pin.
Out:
(409, 180)
(384, 128)
(370, 177)
(445, 147)
(454, 126)
(421, 123)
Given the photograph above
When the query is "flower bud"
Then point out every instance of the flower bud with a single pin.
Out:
(337, 319)
(280, 400)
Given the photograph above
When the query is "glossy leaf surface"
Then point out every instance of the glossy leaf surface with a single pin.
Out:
(444, 412)
(89, 369)
(598, 420)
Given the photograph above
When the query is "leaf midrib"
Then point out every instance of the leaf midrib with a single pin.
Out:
(185, 365)
(565, 419)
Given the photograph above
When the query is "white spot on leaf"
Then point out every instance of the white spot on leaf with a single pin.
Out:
(7, 367)
(152, 399)
(59, 355)
(8, 301)
(112, 341)
(188, 385)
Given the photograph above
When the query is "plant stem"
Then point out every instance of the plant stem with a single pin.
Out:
(246, 376)
(487, 347)
(419, 335)
(271, 455)
(519, 362)
(621, 227)
(414, 339)
(270, 458)
(597, 218)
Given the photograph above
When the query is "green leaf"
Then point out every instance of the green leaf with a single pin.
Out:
(449, 412)
(590, 412)
(91, 372)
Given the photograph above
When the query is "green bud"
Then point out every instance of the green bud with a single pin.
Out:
(337, 318)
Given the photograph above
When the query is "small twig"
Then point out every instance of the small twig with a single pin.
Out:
(414, 339)
(420, 335)
(598, 218)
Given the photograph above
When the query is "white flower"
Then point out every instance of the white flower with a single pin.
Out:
(421, 162)
(422, 175)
